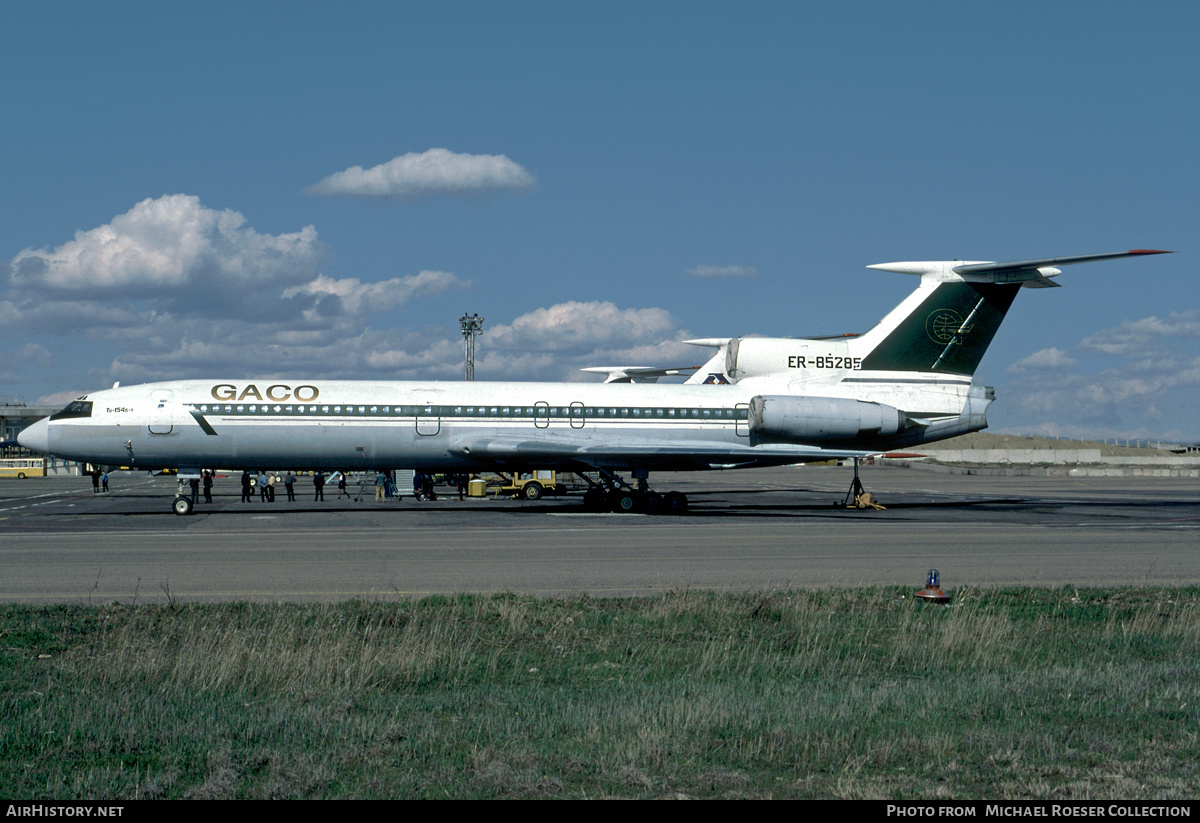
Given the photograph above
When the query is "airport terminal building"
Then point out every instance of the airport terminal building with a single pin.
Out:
(15, 459)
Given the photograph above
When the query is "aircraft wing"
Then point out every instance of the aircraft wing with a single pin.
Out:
(638, 374)
(673, 456)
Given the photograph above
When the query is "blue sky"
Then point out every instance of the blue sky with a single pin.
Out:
(599, 181)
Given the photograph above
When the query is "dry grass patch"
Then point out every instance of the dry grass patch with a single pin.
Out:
(840, 693)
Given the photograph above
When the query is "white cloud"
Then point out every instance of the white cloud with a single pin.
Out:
(548, 344)
(426, 358)
(1044, 359)
(723, 271)
(166, 244)
(437, 171)
(1139, 379)
(579, 327)
(352, 297)
(24, 362)
(28, 312)
(1139, 338)
(172, 289)
(553, 343)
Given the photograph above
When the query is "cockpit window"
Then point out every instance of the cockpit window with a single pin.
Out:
(76, 408)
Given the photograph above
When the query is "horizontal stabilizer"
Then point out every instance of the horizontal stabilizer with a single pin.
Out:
(1031, 265)
(1029, 273)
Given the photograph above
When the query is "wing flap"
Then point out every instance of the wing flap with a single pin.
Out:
(678, 455)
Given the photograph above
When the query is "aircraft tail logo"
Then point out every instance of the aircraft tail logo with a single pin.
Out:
(946, 325)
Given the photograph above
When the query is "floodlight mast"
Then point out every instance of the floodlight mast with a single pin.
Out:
(472, 325)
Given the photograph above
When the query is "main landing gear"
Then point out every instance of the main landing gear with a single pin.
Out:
(615, 495)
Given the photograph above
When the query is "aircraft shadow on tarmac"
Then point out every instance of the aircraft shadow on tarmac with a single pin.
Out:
(705, 504)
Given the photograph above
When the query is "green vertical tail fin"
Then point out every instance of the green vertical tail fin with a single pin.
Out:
(948, 331)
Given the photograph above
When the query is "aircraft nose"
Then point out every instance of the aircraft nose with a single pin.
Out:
(36, 437)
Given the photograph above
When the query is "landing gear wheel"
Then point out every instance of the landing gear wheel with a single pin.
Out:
(182, 505)
(652, 502)
(675, 503)
(593, 500)
(623, 502)
(532, 491)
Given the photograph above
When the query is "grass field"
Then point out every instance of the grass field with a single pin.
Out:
(845, 693)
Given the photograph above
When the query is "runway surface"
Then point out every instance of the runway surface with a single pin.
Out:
(753, 530)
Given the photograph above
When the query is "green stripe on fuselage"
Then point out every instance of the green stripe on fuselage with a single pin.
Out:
(948, 332)
(203, 423)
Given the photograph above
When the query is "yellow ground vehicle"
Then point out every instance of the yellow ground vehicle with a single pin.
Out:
(524, 485)
(24, 467)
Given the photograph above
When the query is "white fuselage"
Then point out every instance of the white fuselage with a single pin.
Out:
(320, 424)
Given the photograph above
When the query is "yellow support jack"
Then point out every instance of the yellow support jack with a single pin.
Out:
(862, 498)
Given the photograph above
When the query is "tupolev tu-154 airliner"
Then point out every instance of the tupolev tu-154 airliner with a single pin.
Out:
(758, 401)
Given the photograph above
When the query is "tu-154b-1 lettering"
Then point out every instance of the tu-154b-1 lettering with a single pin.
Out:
(758, 401)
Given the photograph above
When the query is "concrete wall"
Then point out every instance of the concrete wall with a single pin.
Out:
(1052, 463)
(1055, 457)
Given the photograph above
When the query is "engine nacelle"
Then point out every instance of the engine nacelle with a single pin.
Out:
(811, 419)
